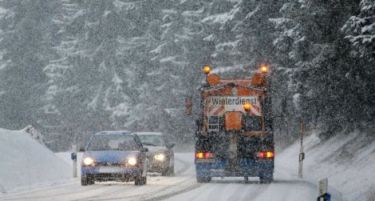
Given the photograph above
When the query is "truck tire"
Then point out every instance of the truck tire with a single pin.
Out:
(203, 179)
(266, 178)
(246, 179)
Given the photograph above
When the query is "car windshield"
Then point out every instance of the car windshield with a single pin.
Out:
(107, 142)
(152, 140)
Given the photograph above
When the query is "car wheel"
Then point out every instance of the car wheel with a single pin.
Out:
(139, 181)
(84, 181)
(87, 180)
(91, 181)
(203, 179)
(165, 172)
(171, 171)
(144, 180)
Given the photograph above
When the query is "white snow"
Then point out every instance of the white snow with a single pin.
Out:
(24, 163)
(225, 69)
(347, 161)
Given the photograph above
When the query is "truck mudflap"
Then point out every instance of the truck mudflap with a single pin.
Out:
(243, 167)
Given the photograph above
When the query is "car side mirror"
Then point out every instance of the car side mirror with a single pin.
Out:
(170, 146)
(81, 149)
(144, 149)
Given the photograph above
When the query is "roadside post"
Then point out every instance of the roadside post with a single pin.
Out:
(323, 190)
(301, 153)
(74, 159)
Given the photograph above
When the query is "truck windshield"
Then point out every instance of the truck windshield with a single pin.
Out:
(253, 123)
(108, 142)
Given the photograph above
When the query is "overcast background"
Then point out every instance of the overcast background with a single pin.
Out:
(74, 67)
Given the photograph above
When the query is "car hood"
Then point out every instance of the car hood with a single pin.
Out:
(156, 149)
(110, 156)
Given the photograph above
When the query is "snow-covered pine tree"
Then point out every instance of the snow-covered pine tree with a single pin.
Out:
(27, 36)
(88, 82)
(360, 30)
(219, 29)
(312, 50)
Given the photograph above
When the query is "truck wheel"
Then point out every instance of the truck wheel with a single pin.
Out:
(246, 179)
(266, 178)
(203, 179)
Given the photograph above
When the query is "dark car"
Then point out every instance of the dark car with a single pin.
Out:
(161, 155)
(114, 156)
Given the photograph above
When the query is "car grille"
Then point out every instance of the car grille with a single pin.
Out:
(108, 164)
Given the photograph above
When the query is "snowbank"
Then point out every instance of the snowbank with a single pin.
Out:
(348, 162)
(25, 163)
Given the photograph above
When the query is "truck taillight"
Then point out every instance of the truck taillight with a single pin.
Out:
(204, 155)
(265, 154)
(208, 155)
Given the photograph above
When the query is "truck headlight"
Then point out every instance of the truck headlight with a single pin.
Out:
(132, 161)
(88, 161)
(159, 157)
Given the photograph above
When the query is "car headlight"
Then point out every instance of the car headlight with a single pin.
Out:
(159, 157)
(132, 161)
(88, 161)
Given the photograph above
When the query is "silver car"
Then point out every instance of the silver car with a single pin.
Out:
(160, 155)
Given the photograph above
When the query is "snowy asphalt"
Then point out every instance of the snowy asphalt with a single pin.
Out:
(182, 187)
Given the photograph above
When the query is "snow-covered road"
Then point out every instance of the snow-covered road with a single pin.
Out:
(181, 187)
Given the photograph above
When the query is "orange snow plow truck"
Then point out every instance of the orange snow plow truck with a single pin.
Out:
(234, 136)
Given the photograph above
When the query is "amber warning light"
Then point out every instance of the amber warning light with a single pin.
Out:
(206, 69)
(202, 155)
(247, 106)
(264, 68)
